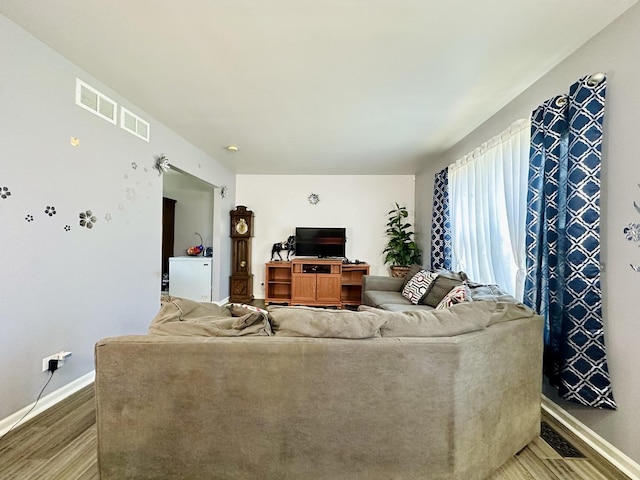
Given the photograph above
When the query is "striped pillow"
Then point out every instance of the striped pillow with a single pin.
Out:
(458, 294)
(418, 286)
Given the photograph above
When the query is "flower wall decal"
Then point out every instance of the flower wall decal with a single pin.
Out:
(632, 233)
(87, 219)
(313, 198)
(131, 194)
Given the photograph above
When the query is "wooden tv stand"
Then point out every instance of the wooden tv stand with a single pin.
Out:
(314, 282)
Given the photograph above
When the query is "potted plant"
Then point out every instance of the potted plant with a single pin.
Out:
(401, 251)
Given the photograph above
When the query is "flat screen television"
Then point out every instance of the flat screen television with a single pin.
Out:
(320, 242)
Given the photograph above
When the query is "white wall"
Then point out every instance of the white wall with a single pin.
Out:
(67, 288)
(357, 202)
(614, 51)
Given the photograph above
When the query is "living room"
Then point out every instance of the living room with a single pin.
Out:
(65, 285)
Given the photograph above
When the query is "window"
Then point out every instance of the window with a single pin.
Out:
(488, 199)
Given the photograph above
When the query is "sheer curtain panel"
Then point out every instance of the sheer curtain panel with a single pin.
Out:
(488, 198)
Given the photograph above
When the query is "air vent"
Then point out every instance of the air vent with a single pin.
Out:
(134, 124)
(91, 99)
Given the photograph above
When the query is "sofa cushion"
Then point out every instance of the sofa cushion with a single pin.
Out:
(250, 324)
(459, 319)
(413, 269)
(455, 320)
(183, 308)
(489, 293)
(457, 294)
(384, 297)
(187, 318)
(442, 285)
(399, 307)
(418, 286)
(323, 323)
(507, 311)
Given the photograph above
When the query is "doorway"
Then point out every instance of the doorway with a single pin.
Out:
(188, 218)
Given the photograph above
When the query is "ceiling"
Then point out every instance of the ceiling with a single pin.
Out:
(317, 87)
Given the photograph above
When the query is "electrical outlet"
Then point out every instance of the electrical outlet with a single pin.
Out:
(45, 362)
(61, 356)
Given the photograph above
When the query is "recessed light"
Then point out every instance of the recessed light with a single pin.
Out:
(232, 148)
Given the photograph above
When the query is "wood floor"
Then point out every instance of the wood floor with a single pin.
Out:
(60, 444)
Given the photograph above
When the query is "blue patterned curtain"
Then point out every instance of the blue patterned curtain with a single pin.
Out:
(563, 241)
(440, 225)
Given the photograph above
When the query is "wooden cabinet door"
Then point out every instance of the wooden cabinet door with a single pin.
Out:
(303, 288)
(328, 288)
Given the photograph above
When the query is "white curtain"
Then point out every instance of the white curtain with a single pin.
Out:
(488, 201)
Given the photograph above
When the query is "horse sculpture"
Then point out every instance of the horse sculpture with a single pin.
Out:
(289, 245)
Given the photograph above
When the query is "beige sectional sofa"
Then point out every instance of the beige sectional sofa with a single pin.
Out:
(367, 395)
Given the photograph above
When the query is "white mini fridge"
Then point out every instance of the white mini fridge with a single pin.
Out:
(190, 277)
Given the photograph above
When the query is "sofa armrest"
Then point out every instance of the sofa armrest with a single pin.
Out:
(379, 282)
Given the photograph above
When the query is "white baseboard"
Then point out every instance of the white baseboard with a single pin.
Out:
(222, 302)
(46, 402)
(610, 453)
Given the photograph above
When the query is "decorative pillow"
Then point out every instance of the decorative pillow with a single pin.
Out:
(442, 285)
(418, 286)
(458, 294)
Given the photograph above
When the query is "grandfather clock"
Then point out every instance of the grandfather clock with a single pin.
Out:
(241, 280)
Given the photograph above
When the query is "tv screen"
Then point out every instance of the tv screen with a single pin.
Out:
(320, 242)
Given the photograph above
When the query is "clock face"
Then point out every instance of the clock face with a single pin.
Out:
(242, 227)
